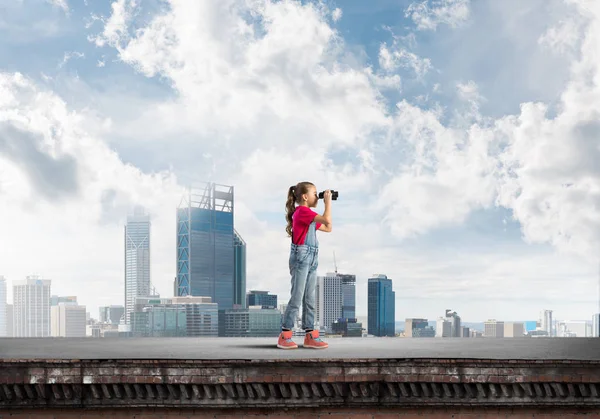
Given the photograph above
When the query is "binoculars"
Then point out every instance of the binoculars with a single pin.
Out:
(334, 195)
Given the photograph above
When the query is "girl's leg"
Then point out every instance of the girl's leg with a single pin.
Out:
(299, 271)
(308, 302)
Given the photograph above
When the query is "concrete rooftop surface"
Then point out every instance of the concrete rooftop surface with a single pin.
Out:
(577, 349)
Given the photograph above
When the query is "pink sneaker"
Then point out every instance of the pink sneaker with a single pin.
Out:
(285, 340)
(312, 340)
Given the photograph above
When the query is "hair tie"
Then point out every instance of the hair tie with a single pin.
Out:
(293, 188)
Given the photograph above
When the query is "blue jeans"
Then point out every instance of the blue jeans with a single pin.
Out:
(304, 261)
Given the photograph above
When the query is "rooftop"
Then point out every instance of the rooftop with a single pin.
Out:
(243, 373)
(581, 349)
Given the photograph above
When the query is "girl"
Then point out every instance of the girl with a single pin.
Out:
(302, 225)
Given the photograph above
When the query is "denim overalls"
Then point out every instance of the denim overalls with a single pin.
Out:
(304, 260)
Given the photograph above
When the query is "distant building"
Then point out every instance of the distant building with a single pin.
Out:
(111, 314)
(574, 328)
(348, 297)
(531, 325)
(175, 316)
(68, 320)
(252, 322)
(493, 329)
(9, 321)
(475, 333)
(596, 325)
(3, 304)
(55, 300)
(261, 298)
(31, 307)
(211, 255)
(465, 332)
(381, 306)
(328, 295)
(546, 321)
(537, 333)
(443, 328)
(137, 259)
(514, 330)
(347, 328)
(455, 327)
(418, 328)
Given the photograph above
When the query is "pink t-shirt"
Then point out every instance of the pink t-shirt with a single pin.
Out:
(301, 220)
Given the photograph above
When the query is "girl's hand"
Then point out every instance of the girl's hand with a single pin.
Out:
(327, 196)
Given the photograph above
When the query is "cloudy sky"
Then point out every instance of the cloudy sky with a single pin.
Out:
(463, 136)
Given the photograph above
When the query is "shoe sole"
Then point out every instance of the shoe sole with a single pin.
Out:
(286, 347)
(315, 347)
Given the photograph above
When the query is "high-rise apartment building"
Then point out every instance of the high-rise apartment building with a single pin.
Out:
(443, 328)
(381, 306)
(3, 313)
(68, 320)
(596, 325)
(31, 307)
(546, 322)
(211, 255)
(493, 329)
(328, 300)
(137, 259)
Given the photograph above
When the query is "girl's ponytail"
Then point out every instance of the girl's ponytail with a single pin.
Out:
(290, 207)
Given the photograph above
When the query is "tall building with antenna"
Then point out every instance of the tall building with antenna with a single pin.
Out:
(211, 254)
(335, 298)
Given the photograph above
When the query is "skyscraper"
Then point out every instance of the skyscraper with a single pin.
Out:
(328, 300)
(31, 307)
(239, 274)
(3, 311)
(211, 255)
(137, 259)
(381, 306)
(493, 329)
(546, 321)
(348, 297)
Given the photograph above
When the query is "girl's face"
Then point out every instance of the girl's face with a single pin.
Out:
(312, 198)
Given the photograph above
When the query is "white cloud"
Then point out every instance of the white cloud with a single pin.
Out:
(429, 14)
(115, 28)
(562, 37)
(443, 173)
(68, 55)
(266, 98)
(60, 3)
(336, 14)
(394, 57)
(70, 194)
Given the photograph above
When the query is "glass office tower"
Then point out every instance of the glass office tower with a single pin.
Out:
(381, 306)
(211, 255)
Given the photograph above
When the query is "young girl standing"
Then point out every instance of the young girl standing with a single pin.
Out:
(302, 225)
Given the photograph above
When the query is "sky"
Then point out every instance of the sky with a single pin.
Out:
(463, 138)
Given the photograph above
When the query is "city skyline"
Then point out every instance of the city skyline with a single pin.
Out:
(467, 171)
